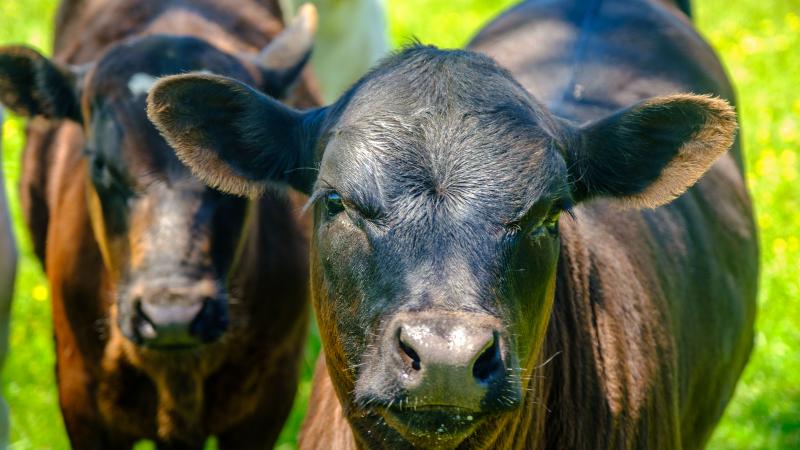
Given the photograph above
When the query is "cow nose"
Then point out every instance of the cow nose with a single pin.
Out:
(449, 361)
(165, 325)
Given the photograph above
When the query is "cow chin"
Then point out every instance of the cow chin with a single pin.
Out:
(434, 424)
(433, 428)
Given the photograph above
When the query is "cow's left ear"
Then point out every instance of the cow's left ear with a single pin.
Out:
(282, 60)
(32, 85)
(648, 154)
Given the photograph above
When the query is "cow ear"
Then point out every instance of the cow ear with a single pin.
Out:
(648, 154)
(282, 61)
(32, 85)
(233, 137)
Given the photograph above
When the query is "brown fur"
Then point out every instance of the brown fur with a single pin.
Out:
(111, 392)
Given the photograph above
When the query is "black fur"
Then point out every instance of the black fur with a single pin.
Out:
(451, 178)
(30, 85)
(610, 161)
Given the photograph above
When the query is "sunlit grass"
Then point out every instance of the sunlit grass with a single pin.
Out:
(757, 39)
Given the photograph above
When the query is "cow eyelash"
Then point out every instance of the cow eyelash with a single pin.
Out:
(565, 205)
(335, 203)
(324, 195)
(548, 225)
(315, 198)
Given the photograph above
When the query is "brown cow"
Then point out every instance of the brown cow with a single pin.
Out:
(8, 272)
(180, 312)
(459, 307)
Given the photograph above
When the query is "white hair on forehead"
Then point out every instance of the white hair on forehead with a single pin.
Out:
(140, 83)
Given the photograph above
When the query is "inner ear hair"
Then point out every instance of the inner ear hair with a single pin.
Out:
(651, 153)
(711, 140)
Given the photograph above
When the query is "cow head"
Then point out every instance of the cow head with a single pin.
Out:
(437, 186)
(168, 240)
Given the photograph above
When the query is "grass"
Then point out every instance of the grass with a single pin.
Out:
(758, 41)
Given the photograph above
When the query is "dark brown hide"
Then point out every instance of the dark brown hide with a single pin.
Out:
(112, 392)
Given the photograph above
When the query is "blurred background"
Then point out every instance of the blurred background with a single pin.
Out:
(759, 43)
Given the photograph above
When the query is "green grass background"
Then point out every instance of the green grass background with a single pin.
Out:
(759, 41)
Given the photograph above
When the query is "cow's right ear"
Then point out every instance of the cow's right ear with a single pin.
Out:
(233, 137)
(32, 85)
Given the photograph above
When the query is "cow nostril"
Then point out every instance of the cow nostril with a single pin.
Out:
(408, 354)
(489, 363)
(143, 325)
(210, 322)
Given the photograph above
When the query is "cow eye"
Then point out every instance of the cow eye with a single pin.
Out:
(101, 173)
(551, 223)
(107, 180)
(549, 226)
(333, 203)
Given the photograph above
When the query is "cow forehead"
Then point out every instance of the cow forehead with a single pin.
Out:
(457, 160)
(130, 68)
(436, 136)
(116, 90)
(121, 136)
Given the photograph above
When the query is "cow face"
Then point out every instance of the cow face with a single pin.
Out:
(168, 240)
(437, 186)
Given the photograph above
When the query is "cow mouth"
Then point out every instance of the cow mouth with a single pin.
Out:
(172, 348)
(433, 426)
